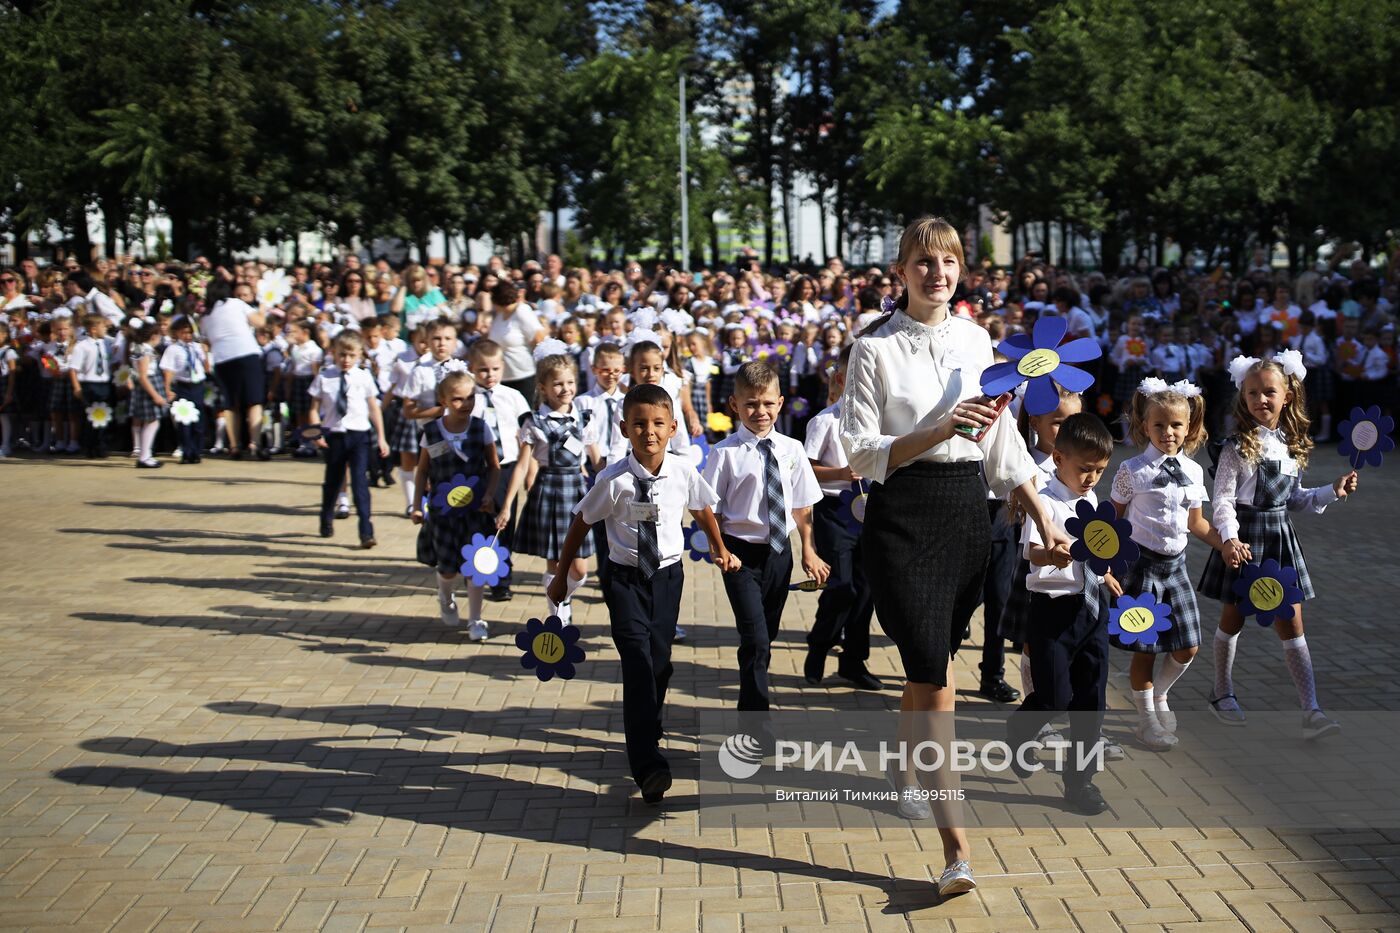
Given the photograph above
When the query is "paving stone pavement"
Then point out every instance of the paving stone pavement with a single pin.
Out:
(212, 719)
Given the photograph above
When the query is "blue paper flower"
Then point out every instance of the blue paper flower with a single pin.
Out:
(1267, 591)
(1366, 436)
(485, 561)
(459, 494)
(851, 511)
(1040, 358)
(1102, 539)
(697, 543)
(1139, 619)
(703, 445)
(550, 647)
(799, 407)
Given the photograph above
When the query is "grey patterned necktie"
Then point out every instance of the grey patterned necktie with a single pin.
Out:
(648, 551)
(342, 396)
(612, 421)
(1171, 473)
(773, 493)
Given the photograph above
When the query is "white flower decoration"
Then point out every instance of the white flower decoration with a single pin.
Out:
(450, 366)
(641, 335)
(183, 411)
(1152, 386)
(551, 347)
(677, 321)
(1239, 366)
(99, 414)
(642, 319)
(123, 375)
(1185, 388)
(273, 287)
(1291, 361)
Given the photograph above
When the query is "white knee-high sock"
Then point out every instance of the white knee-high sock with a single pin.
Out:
(574, 585)
(136, 441)
(406, 477)
(1171, 672)
(1300, 668)
(445, 587)
(1224, 650)
(474, 594)
(148, 439)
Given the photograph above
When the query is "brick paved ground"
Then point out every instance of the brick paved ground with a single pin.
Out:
(211, 718)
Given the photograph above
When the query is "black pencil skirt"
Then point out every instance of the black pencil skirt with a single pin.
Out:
(925, 544)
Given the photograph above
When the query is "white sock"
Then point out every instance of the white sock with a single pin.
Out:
(474, 594)
(136, 441)
(445, 588)
(148, 439)
(406, 477)
(1224, 652)
(342, 499)
(1142, 699)
(1026, 686)
(221, 432)
(1171, 672)
(1299, 660)
(574, 585)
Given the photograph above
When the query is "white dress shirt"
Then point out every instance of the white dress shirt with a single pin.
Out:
(185, 360)
(1171, 361)
(1235, 481)
(675, 385)
(1159, 513)
(1052, 580)
(907, 376)
(736, 471)
(678, 489)
(360, 388)
(303, 358)
(91, 359)
(501, 412)
(1313, 348)
(1375, 364)
(612, 439)
(381, 360)
(421, 385)
(529, 432)
(823, 445)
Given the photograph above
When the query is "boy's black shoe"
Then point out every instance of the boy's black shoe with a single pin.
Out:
(860, 678)
(327, 529)
(655, 785)
(1086, 800)
(999, 691)
(814, 668)
(499, 594)
(264, 453)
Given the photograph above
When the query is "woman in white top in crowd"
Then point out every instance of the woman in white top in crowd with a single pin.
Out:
(913, 379)
(515, 326)
(238, 362)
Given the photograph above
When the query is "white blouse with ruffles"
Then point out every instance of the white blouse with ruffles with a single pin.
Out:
(906, 376)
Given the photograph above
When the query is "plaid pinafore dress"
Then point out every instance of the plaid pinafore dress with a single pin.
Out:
(446, 531)
(559, 486)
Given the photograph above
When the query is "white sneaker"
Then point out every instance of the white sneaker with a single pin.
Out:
(1112, 751)
(910, 807)
(1049, 735)
(476, 630)
(956, 879)
(1316, 725)
(566, 613)
(1151, 734)
(1165, 716)
(447, 607)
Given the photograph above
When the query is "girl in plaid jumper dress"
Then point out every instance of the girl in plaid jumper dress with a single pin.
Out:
(456, 443)
(1257, 482)
(1161, 491)
(557, 434)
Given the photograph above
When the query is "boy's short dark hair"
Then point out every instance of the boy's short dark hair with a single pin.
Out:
(755, 376)
(607, 349)
(484, 349)
(646, 394)
(1084, 435)
(869, 298)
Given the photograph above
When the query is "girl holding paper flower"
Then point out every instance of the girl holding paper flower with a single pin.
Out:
(1160, 491)
(148, 402)
(1257, 483)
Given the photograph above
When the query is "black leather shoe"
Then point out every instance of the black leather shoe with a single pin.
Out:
(327, 530)
(999, 691)
(1086, 800)
(861, 679)
(655, 785)
(814, 669)
(499, 594)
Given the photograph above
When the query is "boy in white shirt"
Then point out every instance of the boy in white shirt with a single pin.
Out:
(304, 358)
(1067, 634)
(605, 401)
(501, 407)
(90, 369)
(641, 500)
(185, 366)
(766, 486)
(346, 407)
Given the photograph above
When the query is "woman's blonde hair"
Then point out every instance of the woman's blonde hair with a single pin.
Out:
(1195, 406)
(930, 235)
(1293, 419)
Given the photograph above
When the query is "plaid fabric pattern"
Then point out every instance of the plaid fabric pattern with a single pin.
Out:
(549, 512)
(1166, 579)
(1318, 384)
(1126, 384)
(699, 397)
(443, 534)
(61, 399)
(299, 402)
(402, 433)
(143, 407)
(1269, 533)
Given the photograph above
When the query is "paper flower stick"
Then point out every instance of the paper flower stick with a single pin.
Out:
(99, 414)
(184, 411)
(459, 494)
(1366, 437)
(1040, 358)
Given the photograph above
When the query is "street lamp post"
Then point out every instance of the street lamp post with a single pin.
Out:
(685, 187)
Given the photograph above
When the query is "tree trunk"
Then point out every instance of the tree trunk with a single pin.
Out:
(715, 259)
(555, 203)
(1047, 245)
(179, 232)
(785, 171)
(841, 240)
(821, 214)
(112, 221)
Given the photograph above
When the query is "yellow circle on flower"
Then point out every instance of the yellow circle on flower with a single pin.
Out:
(1038, 363)
(548, 647)
(1101, 539)
(460, 497)
(1266, 594)
(1137, 619)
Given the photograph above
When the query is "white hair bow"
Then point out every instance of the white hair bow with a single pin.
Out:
(1152, 386)
(451, 366)
(1291, 362)
(642, 335)
(1185, 388)
(677, 321)
(1239, 366)
(643, 318)
(550, 347)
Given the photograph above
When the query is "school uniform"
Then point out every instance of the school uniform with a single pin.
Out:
(1131, 365)
(1171, 361)
(613, 446)
(302, 361)
(91, 360)
(403, 432)
(1068, 638)
(1159, 492)
(1375, 369)
(675, 385)
(185, 362)
(760, 482)
(1252, 502)
(143, 408)
(342, 398)
(1350, 359)
(61, 399)
(644, 603)
(1013, 625)
(380, 362)
(502, 407)
(558, 442)
(445, 533)
(845, 607)
(1317, 360)
(698, 369)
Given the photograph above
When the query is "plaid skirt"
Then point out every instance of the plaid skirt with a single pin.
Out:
(143, 408)
(1166, 579)
(402, 432)
(61, 398)
(443, 535)
(548, 513)
(700, 399)
(298, 399)
(1016, 614)
(1269, 533)
(1128, 379)
(1318, 384)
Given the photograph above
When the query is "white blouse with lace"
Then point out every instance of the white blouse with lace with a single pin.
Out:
(906, 376)
(1235, 479)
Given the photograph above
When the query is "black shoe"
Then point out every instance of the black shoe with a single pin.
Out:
(1086, 800)
(236, 454)
(327, 529)
(815, 667)
(967, 632)
(999, 691)
(499, 594)
(655, 785)
(861, 679)
(263, 453)
(1020, 770)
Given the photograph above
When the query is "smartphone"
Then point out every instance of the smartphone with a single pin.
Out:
(975, 434)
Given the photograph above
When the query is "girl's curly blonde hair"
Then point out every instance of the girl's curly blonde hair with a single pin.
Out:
(1293, 420)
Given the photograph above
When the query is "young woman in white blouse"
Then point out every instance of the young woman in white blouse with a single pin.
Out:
(913, 379)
